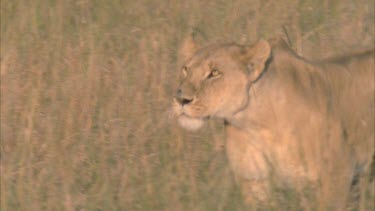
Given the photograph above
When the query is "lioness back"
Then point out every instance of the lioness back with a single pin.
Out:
(352, 82)
(340, 90)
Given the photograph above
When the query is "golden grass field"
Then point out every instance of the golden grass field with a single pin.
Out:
(86, 90)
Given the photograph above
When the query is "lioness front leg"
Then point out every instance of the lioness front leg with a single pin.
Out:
(255, 192)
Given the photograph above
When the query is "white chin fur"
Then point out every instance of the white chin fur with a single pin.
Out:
(190, 123)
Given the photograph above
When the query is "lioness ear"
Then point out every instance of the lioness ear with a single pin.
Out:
(255, 58)
(188, 48)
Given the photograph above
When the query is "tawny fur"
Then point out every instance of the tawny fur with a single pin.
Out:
(301, 121)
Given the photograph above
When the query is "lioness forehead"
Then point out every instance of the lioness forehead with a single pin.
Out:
(211, 54)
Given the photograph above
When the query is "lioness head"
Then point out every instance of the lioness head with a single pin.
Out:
(215, 81)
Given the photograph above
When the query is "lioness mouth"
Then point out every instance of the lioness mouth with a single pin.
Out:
(191, 123)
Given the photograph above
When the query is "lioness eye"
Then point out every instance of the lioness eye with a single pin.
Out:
(214, 72)
(184, 71)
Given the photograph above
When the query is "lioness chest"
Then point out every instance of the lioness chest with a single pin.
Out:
(257, 155)
(282, 133)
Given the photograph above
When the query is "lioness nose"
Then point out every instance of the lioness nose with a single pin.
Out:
(183, 100)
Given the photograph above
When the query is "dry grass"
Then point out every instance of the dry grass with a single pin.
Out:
(86, 89)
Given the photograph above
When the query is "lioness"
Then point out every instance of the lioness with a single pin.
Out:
(284, 116)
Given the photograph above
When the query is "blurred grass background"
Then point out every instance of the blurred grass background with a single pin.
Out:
(86, 89)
